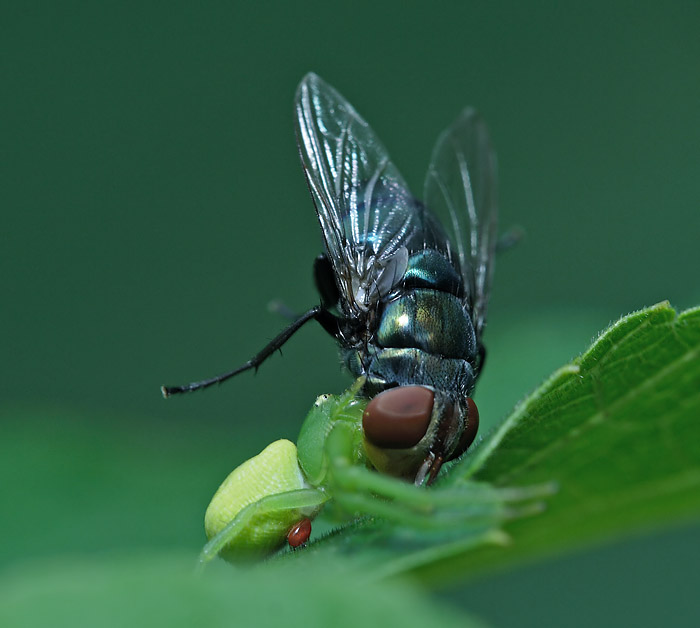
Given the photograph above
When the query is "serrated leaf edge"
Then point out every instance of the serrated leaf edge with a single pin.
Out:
(560, 377)
(583, 363)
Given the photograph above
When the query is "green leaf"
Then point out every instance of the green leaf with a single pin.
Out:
(162, 590)
(618, 430)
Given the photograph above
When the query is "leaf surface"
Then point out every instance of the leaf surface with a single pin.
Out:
(617, 430)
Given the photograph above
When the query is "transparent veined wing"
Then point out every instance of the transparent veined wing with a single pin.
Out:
(369, 220)
(460, 187)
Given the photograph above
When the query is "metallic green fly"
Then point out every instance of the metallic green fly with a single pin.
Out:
(404, 287)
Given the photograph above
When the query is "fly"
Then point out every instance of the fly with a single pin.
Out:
(404, 285)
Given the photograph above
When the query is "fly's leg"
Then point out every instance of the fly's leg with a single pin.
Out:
(324, 278)
(325, 282)
(324, 317)
(267, 510)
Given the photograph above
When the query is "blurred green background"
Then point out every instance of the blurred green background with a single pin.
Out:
(153, 204)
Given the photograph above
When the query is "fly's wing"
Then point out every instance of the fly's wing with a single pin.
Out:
(460, 187)
(369, 220)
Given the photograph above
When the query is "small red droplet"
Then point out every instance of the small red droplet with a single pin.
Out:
(300, 533)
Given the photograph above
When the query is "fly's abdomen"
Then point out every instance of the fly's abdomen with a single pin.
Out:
(428, 313)
(433, 321)
(424, 336)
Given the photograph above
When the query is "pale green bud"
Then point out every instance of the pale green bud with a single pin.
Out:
(273, 471)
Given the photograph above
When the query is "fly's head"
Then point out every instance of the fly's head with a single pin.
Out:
(410, 431)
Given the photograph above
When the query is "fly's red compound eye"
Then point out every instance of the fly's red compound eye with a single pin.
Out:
(399, 417)
(470, 430)
(299, 534)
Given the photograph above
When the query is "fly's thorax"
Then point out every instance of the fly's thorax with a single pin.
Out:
(405, 426)
(430, 268)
